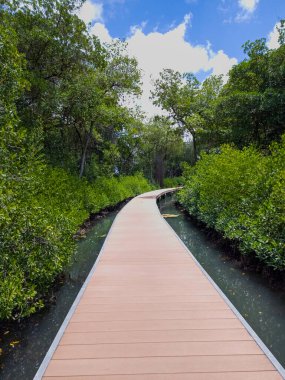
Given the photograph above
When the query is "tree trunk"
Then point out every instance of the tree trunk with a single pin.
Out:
(159, 169)
(83, 158)
(194, 148)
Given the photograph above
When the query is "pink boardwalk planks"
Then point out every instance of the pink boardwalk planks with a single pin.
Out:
(149, 312)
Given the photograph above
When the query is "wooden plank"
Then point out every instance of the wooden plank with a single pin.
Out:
(96, 300)
(159, 365)
(144, 325)
(152, 315)
(90, 307)
(269, 375)
(149, 312)
(135, 350)
(225, 335)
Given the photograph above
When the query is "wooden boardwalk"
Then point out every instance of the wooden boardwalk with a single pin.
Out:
(148, 311)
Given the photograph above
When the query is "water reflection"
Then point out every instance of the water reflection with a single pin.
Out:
(263, 308)
(38, 331)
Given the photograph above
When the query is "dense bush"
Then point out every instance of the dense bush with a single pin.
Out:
(41, 209)
(241, 193)
(173, 182)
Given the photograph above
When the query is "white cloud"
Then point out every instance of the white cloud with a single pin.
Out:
(156, 51)
(100, 30)
(90, 12)
(247, 9)
(220, 63)
(272, 39)
(248, 5)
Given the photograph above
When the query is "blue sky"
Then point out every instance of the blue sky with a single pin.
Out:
(202, 36)
(212, 20)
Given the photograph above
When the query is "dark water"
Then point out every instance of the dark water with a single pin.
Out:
(36, 333)
(262, 308)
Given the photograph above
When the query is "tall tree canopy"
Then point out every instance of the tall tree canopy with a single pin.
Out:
(162, 149)
(189, 104)
(76, 85)
(251, 106)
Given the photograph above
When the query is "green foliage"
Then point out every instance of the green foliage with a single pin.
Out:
(190, 105)
(60, 103)
(69, 148)
(176, 94)
(76, 85)
(19, 168)
(173, 182)
(241, 194)
(161, 150)
(37, 228)
(12, 73)
(245, 108)
(250, 108)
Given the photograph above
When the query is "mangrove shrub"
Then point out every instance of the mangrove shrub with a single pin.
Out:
(40, 213)
(241, 193)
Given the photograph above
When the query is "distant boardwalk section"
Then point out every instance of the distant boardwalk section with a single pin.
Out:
(148, 311)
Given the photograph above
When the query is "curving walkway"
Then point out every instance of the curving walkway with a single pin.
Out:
(148, 311)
